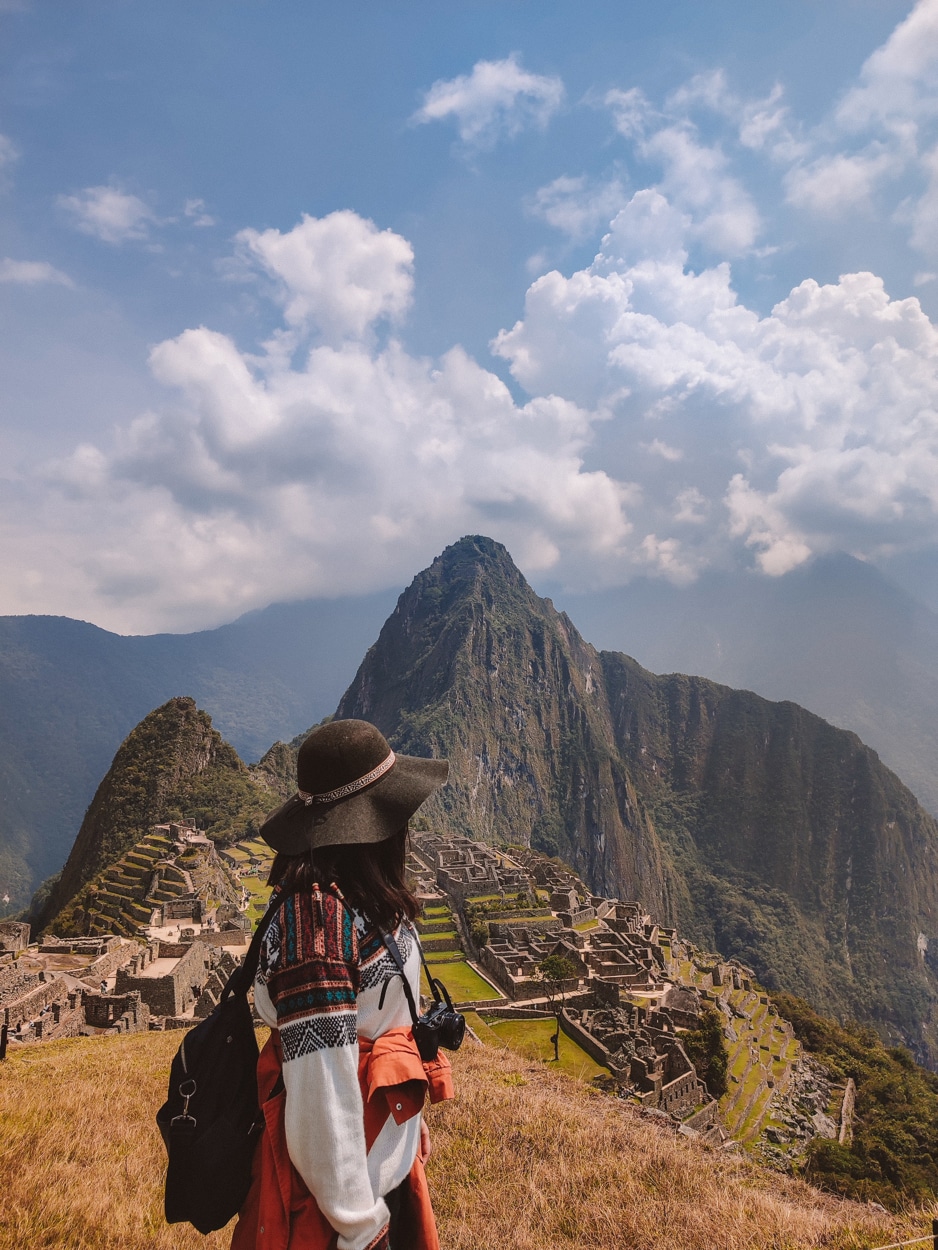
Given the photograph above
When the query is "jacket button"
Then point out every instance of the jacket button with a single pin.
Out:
(262, 1228)
(400, 1106)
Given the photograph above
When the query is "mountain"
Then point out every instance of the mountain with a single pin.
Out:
(70, 693)
(174, 764)
(835, 636)
(760, 829)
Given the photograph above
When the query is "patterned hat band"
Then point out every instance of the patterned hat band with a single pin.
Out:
(352, 787)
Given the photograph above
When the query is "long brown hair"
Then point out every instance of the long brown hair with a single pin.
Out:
(369, 874)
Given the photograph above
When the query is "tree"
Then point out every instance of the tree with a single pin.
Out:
(706, 1049)
(551, 973)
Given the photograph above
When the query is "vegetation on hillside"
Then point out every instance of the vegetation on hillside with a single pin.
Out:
(523, 1159)
(706, 1049)
(894, 1155)
(173, 765)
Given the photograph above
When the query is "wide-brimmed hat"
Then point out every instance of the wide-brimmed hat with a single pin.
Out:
(351, 788)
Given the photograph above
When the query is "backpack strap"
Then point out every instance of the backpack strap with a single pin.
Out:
(243, 976)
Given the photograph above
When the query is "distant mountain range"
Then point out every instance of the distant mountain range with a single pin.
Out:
(70, 693)
(836, 637)
(759, 829)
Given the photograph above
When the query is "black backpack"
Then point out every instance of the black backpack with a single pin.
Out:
(211, 1119)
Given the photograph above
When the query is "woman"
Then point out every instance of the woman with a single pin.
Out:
(340, 1164)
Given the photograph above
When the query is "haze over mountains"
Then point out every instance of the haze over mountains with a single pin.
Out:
(70, 693)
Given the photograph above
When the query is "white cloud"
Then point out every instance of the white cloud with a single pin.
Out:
(899, 82)
(109, 214)
(339, 274)
(814, 428)
(880, 140)
(833, 184)
(697, 179)
(196, 213)
(32, 273)
(696, 175)
(498, 100)
(8, 152)
(267, 479)
(578, 206)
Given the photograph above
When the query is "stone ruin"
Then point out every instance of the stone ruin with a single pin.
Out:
(14, 936)
(622, 1005)
(463, 868)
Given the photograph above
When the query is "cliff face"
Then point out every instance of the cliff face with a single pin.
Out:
(763, 831)
(172, 765)
(473, 666)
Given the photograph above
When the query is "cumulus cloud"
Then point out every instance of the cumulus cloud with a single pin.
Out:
(267, 478)
(338, 274)
(498, 100)
(32, 273)
(696, 175)
(109, 214)
(881, 136)
(814, 428)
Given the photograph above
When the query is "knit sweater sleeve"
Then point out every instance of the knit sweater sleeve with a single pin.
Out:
(311, 972)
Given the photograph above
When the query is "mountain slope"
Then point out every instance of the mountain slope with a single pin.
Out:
(835, 636)
(173, 764)
(70, 693)
(757, 827)
(474, 666)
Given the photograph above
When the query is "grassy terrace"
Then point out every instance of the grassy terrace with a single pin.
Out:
(464, 983)
(449, 964)
(259, 891)
(532, 1039)
(761, 1053)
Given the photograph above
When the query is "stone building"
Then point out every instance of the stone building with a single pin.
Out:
(14, 936)
(169, 976)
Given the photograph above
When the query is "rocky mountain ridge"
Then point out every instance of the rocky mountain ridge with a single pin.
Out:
(756, 827)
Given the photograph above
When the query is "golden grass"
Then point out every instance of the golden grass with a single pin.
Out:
(524, 1159)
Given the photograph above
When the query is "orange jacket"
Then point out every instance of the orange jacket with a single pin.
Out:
(279, 1212)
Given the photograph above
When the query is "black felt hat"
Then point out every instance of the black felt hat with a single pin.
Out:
(352, 788)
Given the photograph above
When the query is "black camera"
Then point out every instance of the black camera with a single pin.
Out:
(442, 1025)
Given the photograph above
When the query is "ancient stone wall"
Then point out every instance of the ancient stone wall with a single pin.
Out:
(14, 936)
(125, 1012)
(117, 956)
(173, 993)
(16, 981)
(27, 1007)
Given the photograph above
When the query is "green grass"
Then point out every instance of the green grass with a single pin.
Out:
(586, 924)
(482, 1031)
(447, 934)
(464, 983)
(532, 1037)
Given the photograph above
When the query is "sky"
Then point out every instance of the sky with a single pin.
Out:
(294, 294)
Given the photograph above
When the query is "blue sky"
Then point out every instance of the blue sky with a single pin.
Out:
(292, 295)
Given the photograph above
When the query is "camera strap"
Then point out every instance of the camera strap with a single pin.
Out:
(437, 988)
(390, 942)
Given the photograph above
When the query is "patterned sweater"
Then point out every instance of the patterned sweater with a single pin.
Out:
(325, 978)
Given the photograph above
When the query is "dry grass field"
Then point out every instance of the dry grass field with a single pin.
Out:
(524, 1159)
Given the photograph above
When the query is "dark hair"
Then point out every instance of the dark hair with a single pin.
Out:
(369, 874)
